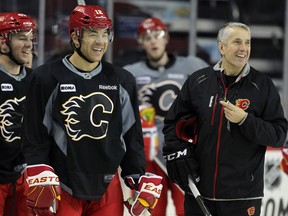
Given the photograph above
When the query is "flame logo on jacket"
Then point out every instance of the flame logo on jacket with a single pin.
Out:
(243, 103)
(88, 116)
(11, 116)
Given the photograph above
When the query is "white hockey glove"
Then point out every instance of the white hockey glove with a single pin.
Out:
(44, 189)
(148, 190)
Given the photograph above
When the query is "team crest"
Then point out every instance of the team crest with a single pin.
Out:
(251, 211)
(159, 95)
(243, 103)
(11, 116)
(88, 116)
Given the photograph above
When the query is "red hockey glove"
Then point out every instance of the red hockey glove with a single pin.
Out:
(148, 190)
(44, 190)
(284, 162)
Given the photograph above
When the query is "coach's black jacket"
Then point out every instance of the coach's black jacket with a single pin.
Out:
(230, 156)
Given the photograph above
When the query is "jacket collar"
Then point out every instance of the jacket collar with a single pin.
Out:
(244, 73)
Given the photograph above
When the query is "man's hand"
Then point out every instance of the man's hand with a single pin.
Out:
(148, 190)
(180, 164)
(44, 190)
(233, 113)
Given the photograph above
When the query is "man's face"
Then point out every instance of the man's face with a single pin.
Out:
(154, 44)
(21, 45)
(94, 43)
(236, 53)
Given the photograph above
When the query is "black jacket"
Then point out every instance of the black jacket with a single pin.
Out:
(230, 156)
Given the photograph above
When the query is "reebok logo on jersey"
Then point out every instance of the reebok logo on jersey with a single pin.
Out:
(176, 76)
(67, 88)
(6, 87)
(143, 80)
(108, 87)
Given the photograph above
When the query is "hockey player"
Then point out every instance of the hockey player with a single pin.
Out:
(159, 79)
(239, 114)
(82, 122)
(16, 44)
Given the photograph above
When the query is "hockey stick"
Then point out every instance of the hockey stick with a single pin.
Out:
(198, 197)
(192, 187)
(160, 164)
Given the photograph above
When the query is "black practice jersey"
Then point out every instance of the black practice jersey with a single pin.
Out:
(84, 125)
(12, 97)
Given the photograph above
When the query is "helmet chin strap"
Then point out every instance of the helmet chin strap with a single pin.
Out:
(11, 56)
(83, 56)
(79, 52)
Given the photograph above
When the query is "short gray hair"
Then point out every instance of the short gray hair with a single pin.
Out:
(224, 32)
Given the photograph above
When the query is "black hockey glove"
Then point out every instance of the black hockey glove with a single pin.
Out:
(180, 165)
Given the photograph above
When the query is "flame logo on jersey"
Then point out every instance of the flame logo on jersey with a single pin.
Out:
(243, 103)
(88, 116)
(11, 116)
(160, 95)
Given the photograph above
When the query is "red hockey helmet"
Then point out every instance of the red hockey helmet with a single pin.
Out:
(89, 16)
(151, 25)
(13, 22)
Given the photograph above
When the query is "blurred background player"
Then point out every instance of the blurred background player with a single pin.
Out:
(159, 78)
(62, 39)
(82, 123)
(16, 44)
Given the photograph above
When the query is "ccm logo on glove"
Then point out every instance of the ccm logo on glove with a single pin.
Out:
(175, 155)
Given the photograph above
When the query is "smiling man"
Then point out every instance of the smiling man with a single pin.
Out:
(239, 114)
(159, 78)
(16, 44)
(82, 123)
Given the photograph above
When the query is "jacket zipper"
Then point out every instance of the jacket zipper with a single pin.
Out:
(217, 152)
(214, 110)
(219, 139)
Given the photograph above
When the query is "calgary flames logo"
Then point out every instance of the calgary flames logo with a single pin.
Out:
(11, 116)
(88, 116)
(251, 211)
(159, 95)
(243, 103)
